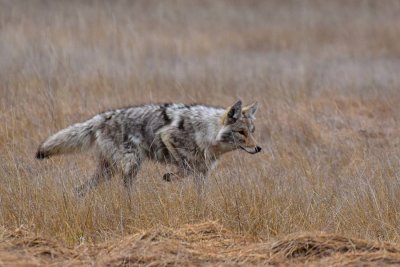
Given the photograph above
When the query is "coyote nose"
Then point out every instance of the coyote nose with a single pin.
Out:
(258, 149)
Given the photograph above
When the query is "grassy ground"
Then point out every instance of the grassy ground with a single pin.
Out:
(205, 244)
(326, 74)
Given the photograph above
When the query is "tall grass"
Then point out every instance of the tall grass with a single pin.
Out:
(325, 74)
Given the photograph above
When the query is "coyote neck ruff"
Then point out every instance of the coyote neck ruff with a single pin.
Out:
(192, 137)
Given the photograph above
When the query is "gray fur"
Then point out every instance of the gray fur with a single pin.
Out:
(192, 137)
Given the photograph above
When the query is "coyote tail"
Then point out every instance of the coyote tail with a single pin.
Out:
(77, 137)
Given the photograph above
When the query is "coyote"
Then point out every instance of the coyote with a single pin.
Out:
(191, 137)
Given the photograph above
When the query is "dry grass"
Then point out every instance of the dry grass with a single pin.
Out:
(207, 244)
(325, 73)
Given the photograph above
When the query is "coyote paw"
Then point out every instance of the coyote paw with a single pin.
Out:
(171, 177)
(168, 176)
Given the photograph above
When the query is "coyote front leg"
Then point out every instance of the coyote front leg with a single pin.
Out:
(184, 168)
(198, 169)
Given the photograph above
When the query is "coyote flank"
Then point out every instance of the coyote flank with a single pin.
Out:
(192, 137)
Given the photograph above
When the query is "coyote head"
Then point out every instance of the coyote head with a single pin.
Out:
(238, 128)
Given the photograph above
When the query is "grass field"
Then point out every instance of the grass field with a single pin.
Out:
(326, 74)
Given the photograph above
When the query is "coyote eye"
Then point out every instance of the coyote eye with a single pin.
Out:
(242, 132)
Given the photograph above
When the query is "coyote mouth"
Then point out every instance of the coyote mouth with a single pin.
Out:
(253, 151)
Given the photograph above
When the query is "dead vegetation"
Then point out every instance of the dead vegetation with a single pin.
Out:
(206, 244)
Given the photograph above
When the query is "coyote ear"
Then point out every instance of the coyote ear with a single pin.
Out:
(233, 113)
(250, 111)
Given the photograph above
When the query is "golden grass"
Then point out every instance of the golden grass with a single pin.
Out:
(325, 74)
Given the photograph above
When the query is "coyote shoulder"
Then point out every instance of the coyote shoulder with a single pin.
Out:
(192, 137)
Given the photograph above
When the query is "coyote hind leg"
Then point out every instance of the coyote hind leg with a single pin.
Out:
(102, 173)
(131, 167)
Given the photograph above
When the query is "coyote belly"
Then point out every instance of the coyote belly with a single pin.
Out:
(191, 137)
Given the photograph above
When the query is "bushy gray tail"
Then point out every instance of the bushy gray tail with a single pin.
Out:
(77, 137)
